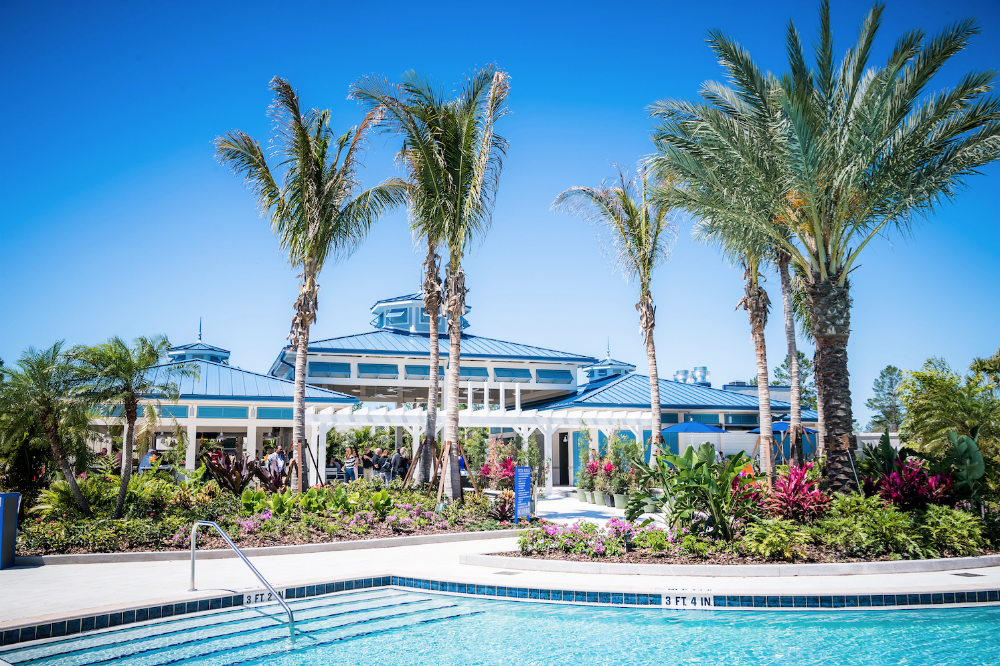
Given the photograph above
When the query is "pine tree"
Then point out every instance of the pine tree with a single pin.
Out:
(886, 403)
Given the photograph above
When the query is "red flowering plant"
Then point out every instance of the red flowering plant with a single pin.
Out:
(910, 487)
(797, 497)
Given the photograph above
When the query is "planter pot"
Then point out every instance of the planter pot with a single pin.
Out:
(621, 499)
(581, 495)
(609, 500)
(591, 497)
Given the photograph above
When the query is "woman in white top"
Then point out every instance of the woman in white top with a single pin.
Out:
(350, 465)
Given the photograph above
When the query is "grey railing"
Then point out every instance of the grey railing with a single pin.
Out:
(239, 553)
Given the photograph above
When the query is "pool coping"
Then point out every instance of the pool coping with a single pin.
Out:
(218, 554)
(730, 570)
(56, 626)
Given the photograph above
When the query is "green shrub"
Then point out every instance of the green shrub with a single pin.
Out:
(691, 545)
(774, 538)
(653, 539)
(947, 532)
(868, 527)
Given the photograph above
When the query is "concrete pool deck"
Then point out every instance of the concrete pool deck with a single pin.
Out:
(46, 593)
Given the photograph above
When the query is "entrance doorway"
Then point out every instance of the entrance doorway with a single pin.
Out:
(564, 459)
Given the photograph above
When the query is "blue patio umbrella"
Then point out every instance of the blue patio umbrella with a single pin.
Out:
(693, 426)
(781, 426)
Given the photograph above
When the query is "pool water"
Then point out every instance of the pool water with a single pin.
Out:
(388, 626)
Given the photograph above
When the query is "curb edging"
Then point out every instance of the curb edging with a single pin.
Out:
(732, 570)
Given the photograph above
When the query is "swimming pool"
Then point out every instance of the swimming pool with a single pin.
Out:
(395, 626)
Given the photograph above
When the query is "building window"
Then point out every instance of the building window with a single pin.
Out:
(554, 376)
(473, 373)
(704, 418)
(341, 370)
(377, 371)
(213, 412)
(396, 316)
(520, 376)
(174, 411)
(421, 371)
(741, 419)
(285, 413)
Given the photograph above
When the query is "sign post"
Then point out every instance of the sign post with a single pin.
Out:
(522, 493)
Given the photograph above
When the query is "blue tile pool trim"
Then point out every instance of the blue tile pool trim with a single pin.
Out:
(69, 627)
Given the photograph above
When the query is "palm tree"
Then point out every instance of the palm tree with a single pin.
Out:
(988, 366)
(859, 153)
(453, 157)
(112, 373)
(637, 234)
(37, 394)
(316, 212)
(432, 307)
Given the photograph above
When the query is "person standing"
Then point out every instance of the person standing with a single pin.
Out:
(350, 465)
(367, 465)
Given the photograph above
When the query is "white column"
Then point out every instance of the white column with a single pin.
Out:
(321, 451)
(399, 437)
(595, 440)
(503, 397)
(517, 398)
(250, 446)
(547, 432)
(192, 447)
(486, 395)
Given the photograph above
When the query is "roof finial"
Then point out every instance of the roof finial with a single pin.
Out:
(199, 329)
(609, 347)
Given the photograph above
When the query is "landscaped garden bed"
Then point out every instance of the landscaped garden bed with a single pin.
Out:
(161, 511)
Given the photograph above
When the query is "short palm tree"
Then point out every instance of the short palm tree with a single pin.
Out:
(453, 158)
(114, 374)
(637, 234)
(860, 152)
(37, 394)
(316, 211)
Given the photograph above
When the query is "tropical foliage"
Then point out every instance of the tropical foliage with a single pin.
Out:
(453, 158)
(315, 207)
(637, 232)
(826, 158)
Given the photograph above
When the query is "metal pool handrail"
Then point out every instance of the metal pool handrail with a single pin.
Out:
(239, 553)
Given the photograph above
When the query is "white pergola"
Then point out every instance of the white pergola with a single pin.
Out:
(483, 415)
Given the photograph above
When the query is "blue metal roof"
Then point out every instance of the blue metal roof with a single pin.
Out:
(198, 346)
(402, 343)
(224, 382)
(807, 415)
(632, 391)
(409, 297)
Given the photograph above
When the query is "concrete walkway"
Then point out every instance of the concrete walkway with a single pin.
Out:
(562, 506)
(32, 592)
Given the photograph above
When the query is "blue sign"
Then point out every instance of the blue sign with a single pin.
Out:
(522, 493)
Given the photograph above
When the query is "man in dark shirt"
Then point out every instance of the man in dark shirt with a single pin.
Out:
(366, 463)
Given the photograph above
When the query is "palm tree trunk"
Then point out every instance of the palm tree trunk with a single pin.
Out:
(126, 471)
(647, 321)
(820, 421)
(795, 422)
(305, 312)
(52, 432)
(757, 304)
(432, 307)
(455, 294)
(830, 312)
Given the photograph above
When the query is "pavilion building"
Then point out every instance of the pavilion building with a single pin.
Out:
(507, 387)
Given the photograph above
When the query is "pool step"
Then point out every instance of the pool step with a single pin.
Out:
(239, 635)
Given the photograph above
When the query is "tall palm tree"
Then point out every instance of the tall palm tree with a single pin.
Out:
(113, 373)
(453, 157)
(861, 152)
(637, 234)
(316, 211)
(432, 307)
(37, 393)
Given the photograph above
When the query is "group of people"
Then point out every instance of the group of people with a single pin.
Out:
(385, 463)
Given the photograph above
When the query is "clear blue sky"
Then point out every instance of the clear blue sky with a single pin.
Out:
(117, 219)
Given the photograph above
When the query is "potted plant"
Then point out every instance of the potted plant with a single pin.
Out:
(621, 482)
(584, 483)
(608, 471)
(593, 480)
